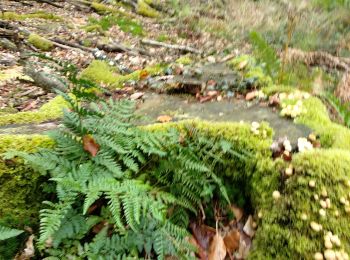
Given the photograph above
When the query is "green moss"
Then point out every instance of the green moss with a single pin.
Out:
(144, 9)
(93, 28)
(185, 60)
(102, 9)
(273, 89)
(282, 232)
(40, 42)
(101, 72)
(317, 118)
(50, 111)
(20, 189)
(107, 21)
(18, 17)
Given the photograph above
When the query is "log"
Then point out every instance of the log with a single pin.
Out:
(171, 46)
(41, 79)
(317, 58)
(117, 47)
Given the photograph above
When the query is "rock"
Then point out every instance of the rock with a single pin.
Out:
(7, 44)
(7, 59)
(136, 95)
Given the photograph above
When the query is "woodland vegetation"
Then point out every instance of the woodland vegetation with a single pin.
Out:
(173, 129)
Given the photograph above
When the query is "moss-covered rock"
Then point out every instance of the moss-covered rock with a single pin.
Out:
(50, 111)
(101, 72)
(40, 42)
(20, 188)
(285, 229)
(316, 117)
(40, 14)
(102, 9)
(143, 8)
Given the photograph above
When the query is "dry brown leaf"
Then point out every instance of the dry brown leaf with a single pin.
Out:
(143, 74)
(164, 118)
(28, 251)
(231, 241)
(90, 145)
(238, 212)
(203, 234)
(217, 249)
(202, 254)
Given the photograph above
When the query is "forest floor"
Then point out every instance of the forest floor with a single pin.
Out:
(172, 58)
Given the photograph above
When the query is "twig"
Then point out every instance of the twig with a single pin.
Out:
(67, 47)
(170, 46)
(117, 47)
(71, 44)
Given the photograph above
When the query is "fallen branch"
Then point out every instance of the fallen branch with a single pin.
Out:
(44, 80)
(117, 47)
(66, 47)
(318, 58)
(71, 44)
(170, 46)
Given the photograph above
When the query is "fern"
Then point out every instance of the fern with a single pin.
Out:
(6, 233)
(265, 54)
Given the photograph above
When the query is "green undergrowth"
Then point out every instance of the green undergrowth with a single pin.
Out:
(144, 8)
(19, 17)
(101, 72)
(50, 111)
(40, 42)
(20, 189)
(124, 23)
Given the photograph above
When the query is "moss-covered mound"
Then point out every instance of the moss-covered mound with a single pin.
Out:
(20, 188)
(50, 111)
(289, 226)
(314, 201)
(40, 42)
(101, 72)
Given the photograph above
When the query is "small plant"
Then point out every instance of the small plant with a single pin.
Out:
(6, 233)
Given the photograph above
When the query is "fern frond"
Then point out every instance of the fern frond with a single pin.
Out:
(6, 233)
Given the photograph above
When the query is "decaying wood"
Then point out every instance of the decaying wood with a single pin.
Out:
(45, 81)
(170, 46)
(343, 88)
(318, 58)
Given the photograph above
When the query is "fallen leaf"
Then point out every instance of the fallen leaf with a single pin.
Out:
(238, 212)
(90, 145)
(251, 95)
(143, 74)
(217, 249)
(203, 234)
(248, 227)
(231, 241)
(200, 250)
(164, 118)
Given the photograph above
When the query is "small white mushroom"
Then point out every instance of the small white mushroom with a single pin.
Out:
(323, 204)
(312, 184)
(336, 213)
(328, 202)
(315, 226)
(342, 200)
(322, 212)
(335, 240)
(289, 171)
(324, 192)
(318, 256)
(329, 254)
(328, 244)
(347, 183)
(304, 216)
(276, 195)
(316, 197)
(260, 214)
